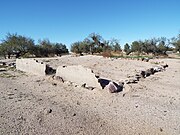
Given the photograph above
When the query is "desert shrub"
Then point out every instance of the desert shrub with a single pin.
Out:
(28, 55)
(106, 54)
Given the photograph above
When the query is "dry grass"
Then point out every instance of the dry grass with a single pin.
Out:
(107, 54)
(7, 75)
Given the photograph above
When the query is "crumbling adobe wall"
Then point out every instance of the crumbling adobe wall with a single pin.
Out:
(79, 75)
(31, 66)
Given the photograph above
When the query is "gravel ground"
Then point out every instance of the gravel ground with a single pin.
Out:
(35, 105)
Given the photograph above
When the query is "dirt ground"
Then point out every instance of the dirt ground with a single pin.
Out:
(36, 105)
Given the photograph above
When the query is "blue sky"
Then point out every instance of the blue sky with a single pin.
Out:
(67, 21)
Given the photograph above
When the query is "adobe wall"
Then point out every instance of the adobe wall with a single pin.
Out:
(31, 66)
(79, 75)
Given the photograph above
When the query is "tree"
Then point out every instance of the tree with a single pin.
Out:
(8, 45)
(153, 46)
(46, 47)
(127, 48)
(95, 42)
(176, 43)
(115, 45)
(163, 45)
(21, 46)
(80, 47)
(6, 50)
(59, 48)
(3, 50)
(85, 46)
(75, 47)
(149, 46)
(16, 45)
(96, 38)
(136, 47)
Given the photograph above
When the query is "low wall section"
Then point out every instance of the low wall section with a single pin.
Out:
(31, 66)
(79, 75)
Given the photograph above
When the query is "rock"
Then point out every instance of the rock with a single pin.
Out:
(38, 80)
(147, 73)
(110, 85)
(142, 74)
(103, 82)
(146, 59)
(49, 111)
(137, 77)
(151, 70)
(164, 66)
(84, 85)
(12, 64)
(114, 87)
(49, 70)
(54, 84)
(97, 76)
(131, 80)
(78, 103)
(58, 78)
(130, 76)
(121, 83)
(90, 88)
(2, 63)
(161, 129)
(158, 69)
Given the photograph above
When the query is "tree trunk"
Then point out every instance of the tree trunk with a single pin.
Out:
(4, 56)
(9, 56)
(17, 55)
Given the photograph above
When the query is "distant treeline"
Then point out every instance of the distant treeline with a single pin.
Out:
(21, 46)
(94, 43)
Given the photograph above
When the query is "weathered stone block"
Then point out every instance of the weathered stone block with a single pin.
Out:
(79, 75)
(31, 66)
